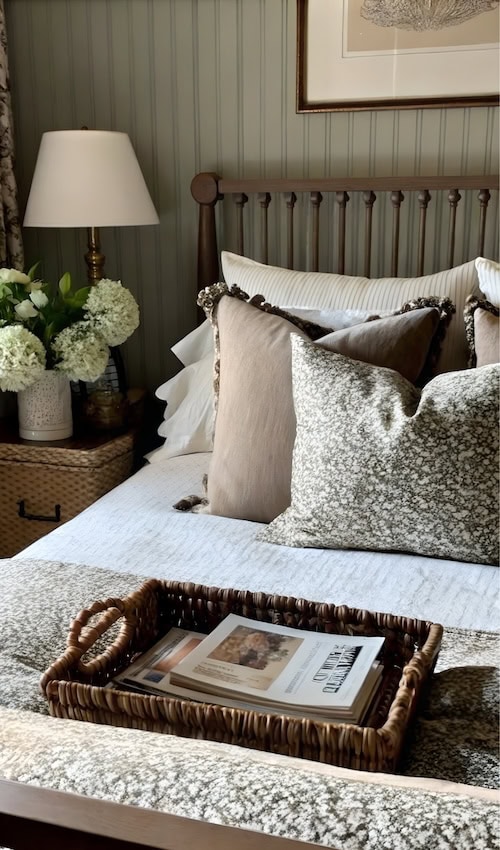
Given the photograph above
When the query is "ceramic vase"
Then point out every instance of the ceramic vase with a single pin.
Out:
(45, 408)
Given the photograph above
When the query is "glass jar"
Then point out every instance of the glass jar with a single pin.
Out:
(105, 410)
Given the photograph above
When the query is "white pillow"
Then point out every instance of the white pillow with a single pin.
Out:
(336, 320)
(342, 292)
(488, 273)
(189, 414)
(191, 348)
(188, 418)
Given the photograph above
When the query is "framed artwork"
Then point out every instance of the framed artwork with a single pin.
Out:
(379, 54)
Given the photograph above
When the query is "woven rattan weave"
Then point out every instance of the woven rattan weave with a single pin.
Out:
(74, 686)
(41, 477)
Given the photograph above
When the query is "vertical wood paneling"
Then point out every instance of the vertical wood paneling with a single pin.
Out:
(142, 239)
(172, 303)
(208, 85)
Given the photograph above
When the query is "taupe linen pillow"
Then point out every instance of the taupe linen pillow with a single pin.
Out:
(399, 342)
(250, 469)
(389, 466)
(482, 329)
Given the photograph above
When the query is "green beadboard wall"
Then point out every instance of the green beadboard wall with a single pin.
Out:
(198, 85)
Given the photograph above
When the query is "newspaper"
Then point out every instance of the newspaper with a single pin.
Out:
(245, 663)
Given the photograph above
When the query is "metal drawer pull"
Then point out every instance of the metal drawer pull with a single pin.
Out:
(24, 515)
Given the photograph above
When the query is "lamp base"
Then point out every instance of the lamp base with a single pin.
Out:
(94, 258)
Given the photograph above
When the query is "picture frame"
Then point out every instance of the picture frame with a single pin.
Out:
(347, 61)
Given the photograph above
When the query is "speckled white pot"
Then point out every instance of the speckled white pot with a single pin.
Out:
(45, 408)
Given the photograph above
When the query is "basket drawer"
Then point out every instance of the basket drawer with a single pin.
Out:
(75, 685)
(31, 491)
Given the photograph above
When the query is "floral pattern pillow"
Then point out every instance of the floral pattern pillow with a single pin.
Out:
(389, 466)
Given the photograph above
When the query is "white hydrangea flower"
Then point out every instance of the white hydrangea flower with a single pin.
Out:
(112, 310)
(13, 276)
(26, 309)
(22, 358)
(81, 352)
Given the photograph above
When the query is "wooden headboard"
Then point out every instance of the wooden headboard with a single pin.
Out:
(391, 226)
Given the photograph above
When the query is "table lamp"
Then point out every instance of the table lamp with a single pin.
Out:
(88, 178)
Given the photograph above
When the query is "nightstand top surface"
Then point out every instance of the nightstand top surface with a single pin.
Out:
(83, 449)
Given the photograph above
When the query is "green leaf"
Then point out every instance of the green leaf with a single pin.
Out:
(72, 309)
(80, 296)
(65, 284)
(48, 333)
(31, 272)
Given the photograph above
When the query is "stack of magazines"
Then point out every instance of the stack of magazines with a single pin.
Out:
(248, 664)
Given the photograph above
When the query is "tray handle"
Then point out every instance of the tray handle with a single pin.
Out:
(82, 637)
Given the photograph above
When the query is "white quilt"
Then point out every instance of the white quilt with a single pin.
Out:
(134, 529)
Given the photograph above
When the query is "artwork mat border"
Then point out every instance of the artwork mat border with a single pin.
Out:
(334, 103)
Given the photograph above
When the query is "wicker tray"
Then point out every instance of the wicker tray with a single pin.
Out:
(74, 688)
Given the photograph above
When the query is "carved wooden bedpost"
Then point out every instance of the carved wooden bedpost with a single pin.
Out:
(205, 191)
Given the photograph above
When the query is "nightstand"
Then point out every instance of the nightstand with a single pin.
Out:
(42, 485)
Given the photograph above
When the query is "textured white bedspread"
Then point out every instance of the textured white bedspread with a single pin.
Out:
(134, 529)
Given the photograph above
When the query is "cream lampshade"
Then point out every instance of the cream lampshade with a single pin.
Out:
(88, 178)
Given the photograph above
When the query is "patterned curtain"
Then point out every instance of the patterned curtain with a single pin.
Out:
(11, 242)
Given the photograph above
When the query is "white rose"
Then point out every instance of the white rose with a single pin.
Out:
(26, 310)
(13, 276)
(39, 298)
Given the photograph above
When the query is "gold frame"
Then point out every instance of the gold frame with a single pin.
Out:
(304, 105)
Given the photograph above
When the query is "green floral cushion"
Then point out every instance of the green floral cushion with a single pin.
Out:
(380, 464)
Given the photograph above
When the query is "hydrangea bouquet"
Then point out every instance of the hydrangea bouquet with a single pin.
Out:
(68, 331)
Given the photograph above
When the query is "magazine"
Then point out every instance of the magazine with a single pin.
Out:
(151, 671)
(248, 664)
(280, 668)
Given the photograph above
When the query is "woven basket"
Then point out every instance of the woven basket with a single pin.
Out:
(43, 477)
(74, 687)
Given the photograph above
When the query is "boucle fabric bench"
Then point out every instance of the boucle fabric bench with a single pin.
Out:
(445, 799)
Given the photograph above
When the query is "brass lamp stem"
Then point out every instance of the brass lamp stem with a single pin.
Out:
(94, 258)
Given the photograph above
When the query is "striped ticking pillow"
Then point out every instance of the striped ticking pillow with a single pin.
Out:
(342, 292)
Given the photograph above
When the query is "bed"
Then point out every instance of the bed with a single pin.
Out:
(162, 791)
